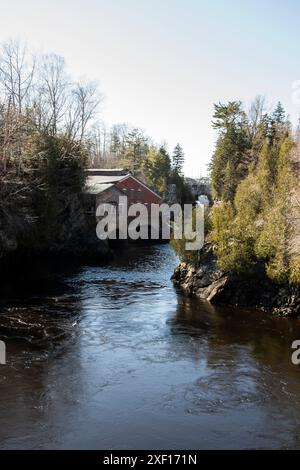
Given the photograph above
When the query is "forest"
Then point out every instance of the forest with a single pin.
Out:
(255, 182)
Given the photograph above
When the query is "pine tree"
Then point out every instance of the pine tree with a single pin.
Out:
(136, 150)
(115, 142)
(157, 168)
(272, 242)
(230, 160)
(178, 159)
(279, 114)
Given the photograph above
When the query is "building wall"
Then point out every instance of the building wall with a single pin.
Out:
(137, 192)
(111, 196)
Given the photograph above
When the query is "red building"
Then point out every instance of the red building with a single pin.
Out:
(108, 184)
(136, 191)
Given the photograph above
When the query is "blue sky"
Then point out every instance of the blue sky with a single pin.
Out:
(162, 64)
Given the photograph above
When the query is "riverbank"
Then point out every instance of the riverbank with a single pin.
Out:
(85, 251)
(252, 290)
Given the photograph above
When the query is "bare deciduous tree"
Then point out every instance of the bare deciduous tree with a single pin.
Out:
(53, 86)
(255, 114)
(16, 74)
(87, 101)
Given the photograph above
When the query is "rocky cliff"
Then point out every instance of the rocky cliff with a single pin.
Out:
(22, 238)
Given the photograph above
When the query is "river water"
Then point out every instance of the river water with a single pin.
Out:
(113, 357)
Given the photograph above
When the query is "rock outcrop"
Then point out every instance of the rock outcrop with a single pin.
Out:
(251, 290)
(22, 242)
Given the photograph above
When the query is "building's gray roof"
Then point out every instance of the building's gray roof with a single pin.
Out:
(107, 172)
(96, 187)
(102, 179)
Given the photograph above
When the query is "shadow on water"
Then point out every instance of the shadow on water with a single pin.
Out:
(113, 357)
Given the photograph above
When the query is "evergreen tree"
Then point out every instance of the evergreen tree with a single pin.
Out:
(252, 223)
(115, 142)
(279, 114)
(136, 150)
(273, 240)
(230, 160)
(178, 159)
(157, 168)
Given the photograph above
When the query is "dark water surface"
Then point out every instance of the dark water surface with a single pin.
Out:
(112, 357)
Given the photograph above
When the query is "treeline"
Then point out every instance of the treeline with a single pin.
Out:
(255, 182)
(126, 147)
(50, 133)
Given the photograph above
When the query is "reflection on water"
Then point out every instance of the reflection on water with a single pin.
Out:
(112, 357)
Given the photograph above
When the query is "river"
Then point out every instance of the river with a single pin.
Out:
(113, 357)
